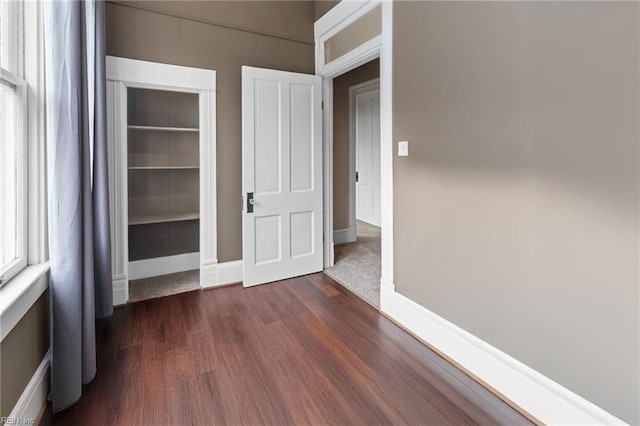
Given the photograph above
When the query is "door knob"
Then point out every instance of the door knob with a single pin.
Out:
(250, 202)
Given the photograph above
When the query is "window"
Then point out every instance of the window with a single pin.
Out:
(13, 141)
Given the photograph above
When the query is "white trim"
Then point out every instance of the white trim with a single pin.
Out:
(19, 295)
(386, 144)
(145, 74)
(163, 265)
(34, 395)
(117, 165)
(224, 273)
(335, 20)
(347, 235)
(339, 17)
(10, 270)
(209, 273)
(536, 394)
(362, 54)
(120, 290)
(372, 86)
(327, 166)
(36, 149)
(121, 74)
(208, 190)
(229, 272)
(12, 34)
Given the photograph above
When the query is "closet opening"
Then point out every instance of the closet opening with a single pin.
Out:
(163, 183)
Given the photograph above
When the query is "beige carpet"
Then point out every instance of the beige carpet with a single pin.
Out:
(163, 285)
(357, 265)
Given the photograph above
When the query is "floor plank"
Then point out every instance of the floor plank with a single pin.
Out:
(299, 351)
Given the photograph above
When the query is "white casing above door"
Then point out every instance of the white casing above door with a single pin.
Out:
(282, 168)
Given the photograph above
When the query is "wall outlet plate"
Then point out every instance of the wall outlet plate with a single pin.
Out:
(403, 149)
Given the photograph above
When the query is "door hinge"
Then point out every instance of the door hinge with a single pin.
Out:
(357, 176)
(322, 105)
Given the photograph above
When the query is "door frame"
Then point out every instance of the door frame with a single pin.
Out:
(121, 74)
(371, 86)
(338, 18)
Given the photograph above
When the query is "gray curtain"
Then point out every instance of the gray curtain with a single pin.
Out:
(79, 241)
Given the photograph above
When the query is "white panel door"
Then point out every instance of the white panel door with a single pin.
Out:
(367, 123)
(281, 174)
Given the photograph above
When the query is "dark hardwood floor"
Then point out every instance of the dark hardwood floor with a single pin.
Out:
(301, 351)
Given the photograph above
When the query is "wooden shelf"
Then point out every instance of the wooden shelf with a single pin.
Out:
(163, 167)
(163, 129)
(162, 218)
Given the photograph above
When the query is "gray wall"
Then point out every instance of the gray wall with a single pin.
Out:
(291, 20)
(341, 86)
(22, 351)
(321, 7)
(523, 122)
(221, 36)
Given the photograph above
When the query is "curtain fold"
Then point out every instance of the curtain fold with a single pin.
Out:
(78, 193)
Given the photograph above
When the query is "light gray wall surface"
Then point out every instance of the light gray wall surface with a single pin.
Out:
(323, 6)
(516, 213)
(291, 20)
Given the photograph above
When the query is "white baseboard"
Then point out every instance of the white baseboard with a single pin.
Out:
(209, 274)
(224, 273)
(540, 397)
(347, 235)
(34, 395)
(163, 265)
(230, 272)
(212, 274)
(120, 290)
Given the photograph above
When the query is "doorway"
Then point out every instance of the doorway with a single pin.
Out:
(356, 182)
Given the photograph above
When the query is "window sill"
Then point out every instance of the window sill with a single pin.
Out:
(19, 294)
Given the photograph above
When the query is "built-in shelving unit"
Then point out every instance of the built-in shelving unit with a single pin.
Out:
(160, 218)
(163, 173)
(162, 129)
(161, 133)
(163, 167)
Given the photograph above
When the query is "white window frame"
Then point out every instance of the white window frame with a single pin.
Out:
(13, 35)
(20, 292)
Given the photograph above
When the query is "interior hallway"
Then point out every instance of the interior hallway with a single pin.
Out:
(299, 351)
(357, 265)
